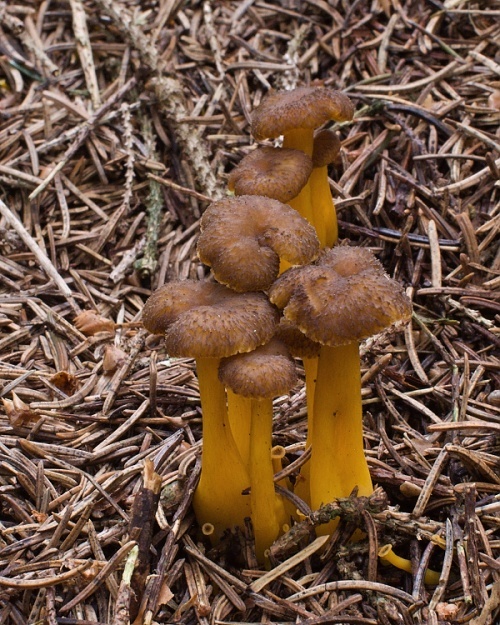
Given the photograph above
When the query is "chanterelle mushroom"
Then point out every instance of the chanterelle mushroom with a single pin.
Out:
(208, 321)
(343, 298)
(296, 114)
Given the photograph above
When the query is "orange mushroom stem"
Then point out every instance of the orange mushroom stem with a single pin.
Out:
(257, 377)
(326, 151)
(387, 556)
(343, 298)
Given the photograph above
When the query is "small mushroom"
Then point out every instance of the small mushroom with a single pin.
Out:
(387, 556)
(296, 114)
(274, 172)
(343, 298)
(258, 376)
(208, 321)
(243, 239)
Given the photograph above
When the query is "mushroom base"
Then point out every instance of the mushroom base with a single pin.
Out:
(338, 463)
(218, 499)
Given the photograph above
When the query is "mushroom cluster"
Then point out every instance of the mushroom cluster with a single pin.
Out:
(228, 326)
(270, 249)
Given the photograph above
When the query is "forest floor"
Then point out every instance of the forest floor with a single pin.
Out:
(119, 123)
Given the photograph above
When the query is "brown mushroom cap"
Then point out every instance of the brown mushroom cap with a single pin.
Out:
(346, 296)
(326, 148)
(205, 319)
(264, 373)
(305, 107)
(243, 238)
(298, 344)
(280, 173)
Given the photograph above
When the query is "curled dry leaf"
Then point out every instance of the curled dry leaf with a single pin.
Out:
(113, 358)
(89, 322)
(65, 382)
(18, 412)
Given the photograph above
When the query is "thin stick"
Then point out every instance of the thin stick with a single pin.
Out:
(84, 48)
(40, 255)
(83, 134)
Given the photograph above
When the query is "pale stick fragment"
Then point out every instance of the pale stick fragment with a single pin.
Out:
(85, 51)
(63, 205)
(177, 187)
(41, 582)
(470, 181)
(411, 86)
(84, 198)
(436, 272)
(413, 354)
(32, 41)
(430, 482)
(64, 102)
(352, 584)
(384, 44)
(21, 175)
(128, 260)
(490, 63)
(285, 566)
(122, 603)
(111, 566)
(445, 569)
(382, 184)
(33, 246)
(213, 38)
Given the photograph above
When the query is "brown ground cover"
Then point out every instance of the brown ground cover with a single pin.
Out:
(119, 121)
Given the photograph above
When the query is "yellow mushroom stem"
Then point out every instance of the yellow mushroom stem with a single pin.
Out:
(338, 462)
(315, 201)
(218, 499)
(302, 486)
(301, 139)
(267, 509)
(240, 417)
(278, 452)
(311, 373)
(323, 207)
(387, 556)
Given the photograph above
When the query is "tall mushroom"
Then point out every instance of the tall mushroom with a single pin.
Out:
(208, 321)
(258, 376)
(243, 239)
(343, 298)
